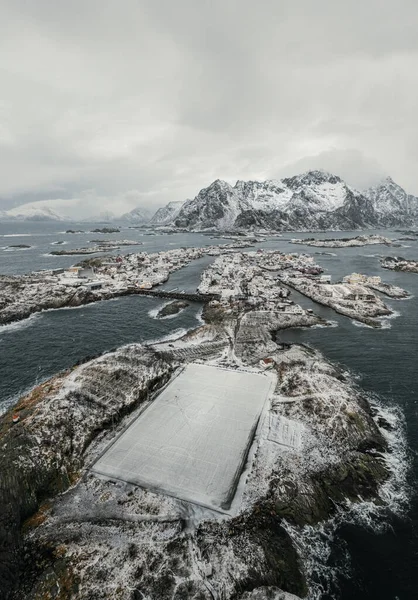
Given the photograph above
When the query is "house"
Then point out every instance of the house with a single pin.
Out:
(86, 273)
(73, 271)
(354, 279)
(360, 296)
(266, 363)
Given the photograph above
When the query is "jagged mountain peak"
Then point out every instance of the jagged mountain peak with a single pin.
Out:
(386, 182)
(389, 180)
(311, 177)
(386, 187)
(220, 184)
(392, 203)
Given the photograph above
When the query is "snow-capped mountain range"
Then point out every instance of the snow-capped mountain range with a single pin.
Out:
(314, 200)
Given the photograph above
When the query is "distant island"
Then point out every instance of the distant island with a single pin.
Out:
(101, 246)
(106, 230)
(361, 240)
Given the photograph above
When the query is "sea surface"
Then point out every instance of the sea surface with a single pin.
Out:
(366, 561)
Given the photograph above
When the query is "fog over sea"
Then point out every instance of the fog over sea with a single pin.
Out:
(357, 560)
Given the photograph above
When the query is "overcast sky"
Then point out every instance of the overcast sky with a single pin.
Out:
(117, 103)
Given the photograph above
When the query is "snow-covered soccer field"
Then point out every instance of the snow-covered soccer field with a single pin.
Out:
(193, 440)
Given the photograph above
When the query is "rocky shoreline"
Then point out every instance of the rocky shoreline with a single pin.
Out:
(66, 533)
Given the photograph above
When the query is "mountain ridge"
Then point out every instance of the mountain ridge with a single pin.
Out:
(32, 211)
(312, 200)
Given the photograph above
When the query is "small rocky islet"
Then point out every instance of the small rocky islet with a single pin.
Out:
(106, 230)
(397, 263)
(171, 309)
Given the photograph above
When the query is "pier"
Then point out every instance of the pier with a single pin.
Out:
(176, 295)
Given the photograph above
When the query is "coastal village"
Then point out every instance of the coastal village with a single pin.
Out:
(259, 278)
(94, 280)
(262, 280)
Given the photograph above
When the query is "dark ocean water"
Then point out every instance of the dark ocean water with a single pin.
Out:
(383, 566)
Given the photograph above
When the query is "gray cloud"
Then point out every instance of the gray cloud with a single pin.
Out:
(145, 102)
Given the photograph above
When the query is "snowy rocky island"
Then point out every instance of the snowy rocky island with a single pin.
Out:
(354, 300)
(397, 263)
(101, 246)
(69, 532)
(361, 240)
